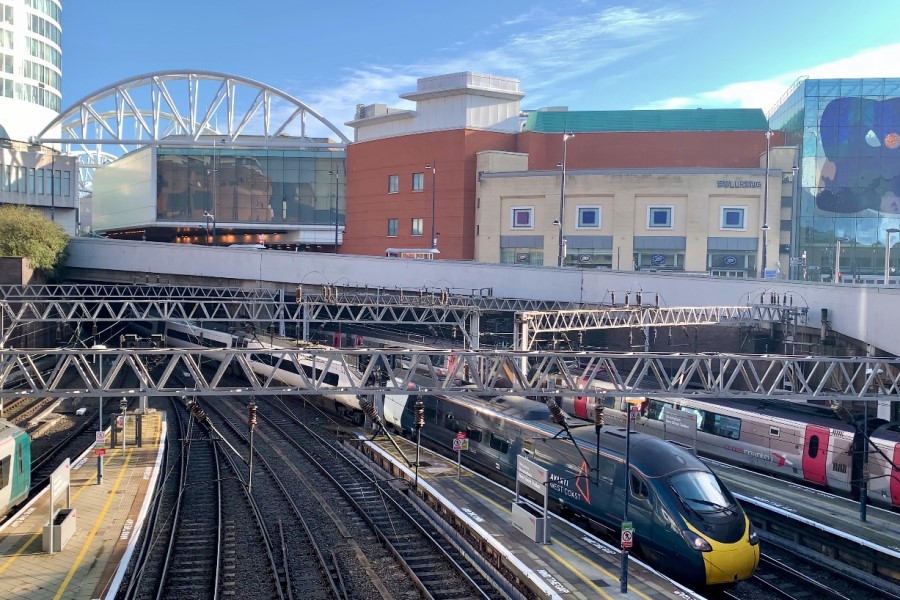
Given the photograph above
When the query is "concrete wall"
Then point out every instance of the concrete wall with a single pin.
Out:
(861, 312)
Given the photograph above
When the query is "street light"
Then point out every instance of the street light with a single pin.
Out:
(562, 200)
(765, 225)
(102, 429)
(336, 180)
(633, 407)
(433, 170)
(887, 253)
(564, 240)
(837, 258)
(209, 216)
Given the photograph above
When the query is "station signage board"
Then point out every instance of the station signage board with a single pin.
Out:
(532, 475)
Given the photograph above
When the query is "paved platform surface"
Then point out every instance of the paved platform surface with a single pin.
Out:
(107, 516)
(575, 564)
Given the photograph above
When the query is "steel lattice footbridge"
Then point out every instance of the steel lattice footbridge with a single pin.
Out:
(169, 371)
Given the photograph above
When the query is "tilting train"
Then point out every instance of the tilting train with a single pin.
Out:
(802, 442)
(15, 466)
(686, 522)
(280, 367)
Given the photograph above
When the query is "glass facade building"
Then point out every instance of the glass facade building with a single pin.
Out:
(251, 186)
(848, 135)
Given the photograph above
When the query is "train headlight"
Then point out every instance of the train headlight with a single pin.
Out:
(753, 537)
(695, 541)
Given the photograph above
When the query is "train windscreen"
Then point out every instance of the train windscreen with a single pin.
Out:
(701, 491)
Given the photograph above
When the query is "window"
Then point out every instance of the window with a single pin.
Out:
(499, 444)
(522, 217)
(733, 218)
(659, 217)
(522, 256)
(393, 184)
(589, 217)
(418, 226)
(418, 183)
(473, 434)
(392, 227)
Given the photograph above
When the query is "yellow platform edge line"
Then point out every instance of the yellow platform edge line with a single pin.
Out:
(95, 528)
(84, 486)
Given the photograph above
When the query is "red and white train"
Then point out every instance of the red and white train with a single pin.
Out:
(801, 442)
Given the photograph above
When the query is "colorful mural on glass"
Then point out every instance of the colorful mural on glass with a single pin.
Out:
(861, 169)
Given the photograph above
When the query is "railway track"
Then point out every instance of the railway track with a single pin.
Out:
(784, 573)
(306, 569)
(439, 570)
(201, 538)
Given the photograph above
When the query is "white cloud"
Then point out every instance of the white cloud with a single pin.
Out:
(871, 63)
(554, 51)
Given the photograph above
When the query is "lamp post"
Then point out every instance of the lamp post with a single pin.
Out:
(209, 216)
(557, 223)
(101, 429)
(251, 425)
(419, 413)
(633, 405)
(433, 170)
(765, 225)
(562, 201)
(336, 180)
(887, 253)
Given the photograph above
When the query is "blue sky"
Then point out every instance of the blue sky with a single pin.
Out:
(582, 54)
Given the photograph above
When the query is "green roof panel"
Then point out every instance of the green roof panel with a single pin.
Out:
(699, 119)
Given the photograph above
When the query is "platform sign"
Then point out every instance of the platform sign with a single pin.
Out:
(100, 451)
(460, 444)
(680, 425)
(59, 483)
(627, 538)
(532, 475)
(100, 438)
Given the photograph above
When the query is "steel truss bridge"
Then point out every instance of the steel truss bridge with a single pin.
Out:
(181, 372)
(114, 303)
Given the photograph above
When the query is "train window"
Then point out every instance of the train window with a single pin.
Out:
(4, 472)
(774, 432)
(813, 449)
(608, 401)
(657, 409)
(607, 469)
(450, 423)
(474, 434)
(499, 444)
(430, 415)
(724, 426)
(638, 486)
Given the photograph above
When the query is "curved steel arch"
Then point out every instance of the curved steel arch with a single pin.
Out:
(145, 110)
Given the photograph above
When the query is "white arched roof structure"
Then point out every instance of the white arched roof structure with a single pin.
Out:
(188, 108)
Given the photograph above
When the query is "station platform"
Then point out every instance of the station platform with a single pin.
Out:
(574, 565)
(820, 510)
(107, 518)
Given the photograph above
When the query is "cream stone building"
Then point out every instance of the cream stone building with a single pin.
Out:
(672, 219)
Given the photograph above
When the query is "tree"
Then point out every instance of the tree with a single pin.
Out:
(27, 233)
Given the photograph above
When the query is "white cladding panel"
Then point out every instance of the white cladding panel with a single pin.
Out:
(861, 312)
(125, 192)
(22, 119)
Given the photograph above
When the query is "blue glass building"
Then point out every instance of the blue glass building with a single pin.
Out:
(848, 134)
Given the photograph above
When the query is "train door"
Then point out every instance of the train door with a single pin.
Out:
(815, 454)
(581, 404)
